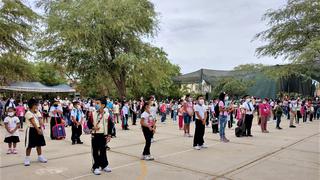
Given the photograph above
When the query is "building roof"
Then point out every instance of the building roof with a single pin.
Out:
(37, 87)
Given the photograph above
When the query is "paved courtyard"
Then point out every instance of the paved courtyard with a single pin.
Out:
(287, 154)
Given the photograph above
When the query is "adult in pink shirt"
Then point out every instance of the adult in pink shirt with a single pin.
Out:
(20, 111)
(265, 112)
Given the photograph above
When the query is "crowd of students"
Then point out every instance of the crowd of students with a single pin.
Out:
(99, 117)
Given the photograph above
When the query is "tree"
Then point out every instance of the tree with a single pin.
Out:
(294, 33)
(232, 86)
(50, 74)
(16, 26)
(104, 36)
(15, 68)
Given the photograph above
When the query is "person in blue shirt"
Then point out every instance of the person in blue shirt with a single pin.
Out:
(77, 117)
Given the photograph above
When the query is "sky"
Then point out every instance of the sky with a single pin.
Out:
(212, 34)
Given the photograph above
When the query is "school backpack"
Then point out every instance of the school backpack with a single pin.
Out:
(58, 131)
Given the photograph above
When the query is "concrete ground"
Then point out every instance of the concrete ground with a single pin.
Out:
(282, 154)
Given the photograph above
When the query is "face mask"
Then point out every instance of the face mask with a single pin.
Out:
(226, 98)
(78, 106)
(11, 100)
(97, 107)
(247, 100)
(264, 102)
(10, 114)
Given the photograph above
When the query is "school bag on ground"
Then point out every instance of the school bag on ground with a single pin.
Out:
(58, 131)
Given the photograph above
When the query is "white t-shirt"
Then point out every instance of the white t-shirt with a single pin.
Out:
(153, 111)
(201, 110)
(36, 118)
(12, 124)
(148, 118)
(116, 109)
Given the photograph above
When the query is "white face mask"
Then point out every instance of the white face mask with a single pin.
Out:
(248, 100)
(226, 98)
(10, 114)
(264, 102)
(201, 101)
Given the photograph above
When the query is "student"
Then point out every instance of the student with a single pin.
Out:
(20, 111)
(55, 114)
(163, 111)
(188, 114)
(147, 124)
(125, 116)
(249, 109)
(223, 115)
(34, 133)
(293, 112)
(264, 113)
(45, 110)
(200, 121)
(180, 115)
(279, 112)
(100, 137)
(175, 111)
(77, 118)
(134, 111)
(12, 124)
(116, 111)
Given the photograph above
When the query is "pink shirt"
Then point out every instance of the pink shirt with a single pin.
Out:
(20, 111)
(221, 104)
(264, 109)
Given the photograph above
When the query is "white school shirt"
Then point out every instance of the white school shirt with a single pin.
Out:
(246, 106)
(201, 110)
(12, 124)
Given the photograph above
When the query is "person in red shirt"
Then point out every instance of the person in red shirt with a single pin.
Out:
(265, 113)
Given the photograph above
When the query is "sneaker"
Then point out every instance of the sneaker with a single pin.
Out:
(151, 158)
(292, 126)
(152, 140)
(9, 151)
(143, 157)
(97, 171)
(197, 147)
(204, 146)
(14, 151)
(107, 169)
(148, 158)
(27, 161)
(42, 159)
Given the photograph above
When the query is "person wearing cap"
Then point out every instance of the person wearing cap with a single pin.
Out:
(249, 109)
(77, 118)
(264, 113)
(100, 136)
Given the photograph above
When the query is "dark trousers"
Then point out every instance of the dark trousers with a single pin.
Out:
(125, 122)
(99, 151)
(278, 119)
(310, 116)
(111, 128)
(21, 118)
(248, 123)
(231, 120)
(198, 134)
(76, 132)
(147, 135)
(134, 118)
(53, 123)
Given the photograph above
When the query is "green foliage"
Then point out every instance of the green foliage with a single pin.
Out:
(16, 25)
(232, 86)
(50, 74)
(101, 41)
(15, 68)
(294, 32)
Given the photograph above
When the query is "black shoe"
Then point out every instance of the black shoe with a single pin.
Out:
(108, 148)
(79, 142)
(73, 143)
(292, 126)
(250, 135)
(279, 128)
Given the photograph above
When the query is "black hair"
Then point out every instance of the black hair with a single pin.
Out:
(103, 101)
(222, 96)
(144, 106)
(12, 108)
(32, 102)
(200, 96)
